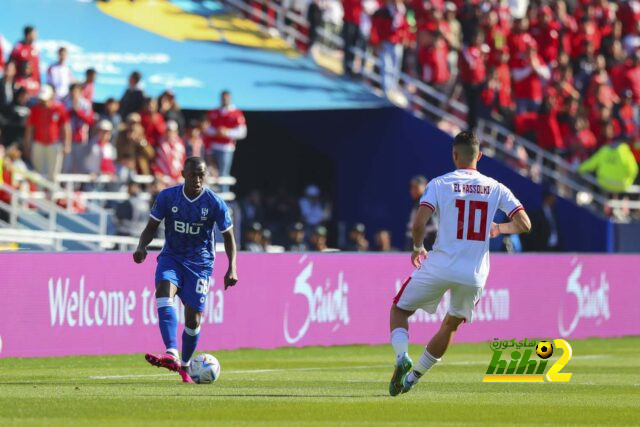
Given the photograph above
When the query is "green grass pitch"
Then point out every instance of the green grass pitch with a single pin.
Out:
(319, 386)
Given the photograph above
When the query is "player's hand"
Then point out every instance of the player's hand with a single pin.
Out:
(418, 256)
(230, 278)
(495, 230)
(139, 256)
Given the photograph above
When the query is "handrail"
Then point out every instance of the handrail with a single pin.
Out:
(562, 173)
(104, 241)
(52, 211)
(140, 179)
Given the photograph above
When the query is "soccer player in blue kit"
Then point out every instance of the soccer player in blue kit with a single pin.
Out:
(185, 264)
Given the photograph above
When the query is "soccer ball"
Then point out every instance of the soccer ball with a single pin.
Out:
(205, 369)
(544, 349)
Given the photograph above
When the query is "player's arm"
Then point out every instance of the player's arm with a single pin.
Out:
(419, 227)
(231, 277)
(146, 237)
(520, 223)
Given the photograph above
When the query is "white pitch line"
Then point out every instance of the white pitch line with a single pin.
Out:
(268, 371)
(241, 371)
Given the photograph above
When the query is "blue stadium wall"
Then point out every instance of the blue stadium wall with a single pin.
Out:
(365, 159)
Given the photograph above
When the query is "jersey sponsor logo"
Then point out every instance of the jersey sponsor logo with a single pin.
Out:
(592, 301)
(323, 304)
(186, 228)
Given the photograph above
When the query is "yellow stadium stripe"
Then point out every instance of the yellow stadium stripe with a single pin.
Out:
(512, 379)
(167, 20)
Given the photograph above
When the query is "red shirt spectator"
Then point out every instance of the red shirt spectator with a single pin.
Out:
(88, 84)
(471, 64)
(547, 35)
(25, 51)
(527, 79)
(31, 85)
(81, 114)
(628, 14)
(548, 130)
(625, 115)
(48, 120)
(432, 56)
(605, 18)
(170, 154)
(630, 76)
(352, 11)
(519, 43)
(389, 25)
(587, 32)
(227, 125)
(152, 121)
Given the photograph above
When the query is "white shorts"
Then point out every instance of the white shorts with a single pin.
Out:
(424, 290)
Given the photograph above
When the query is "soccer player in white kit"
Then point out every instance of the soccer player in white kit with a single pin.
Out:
(466, 202)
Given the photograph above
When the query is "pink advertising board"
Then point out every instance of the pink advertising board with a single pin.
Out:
(102, 303)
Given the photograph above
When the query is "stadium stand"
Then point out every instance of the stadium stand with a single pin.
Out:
(143, 140)
(488, 66)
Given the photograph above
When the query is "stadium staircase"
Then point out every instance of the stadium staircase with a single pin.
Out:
(448, 113)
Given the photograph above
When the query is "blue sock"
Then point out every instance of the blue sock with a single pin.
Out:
(168, 322)
(190, 338)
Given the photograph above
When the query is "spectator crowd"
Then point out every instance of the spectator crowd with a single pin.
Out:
(565, 74)
(50, 119)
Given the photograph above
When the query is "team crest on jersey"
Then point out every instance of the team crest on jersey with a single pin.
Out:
(174, 209)
(205, 212)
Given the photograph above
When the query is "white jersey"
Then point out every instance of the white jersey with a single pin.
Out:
(466, 202)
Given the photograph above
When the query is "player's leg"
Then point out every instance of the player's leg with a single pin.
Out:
(191, 334)
(399, 325)
(167, 315)
(168, 324)
(434, 350)
(463, 300)
(421, 290)
(194, 296)
(167, 280)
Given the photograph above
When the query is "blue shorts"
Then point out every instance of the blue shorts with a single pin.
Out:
(193, 283)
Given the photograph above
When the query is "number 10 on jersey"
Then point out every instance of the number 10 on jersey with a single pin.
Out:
(472, 206)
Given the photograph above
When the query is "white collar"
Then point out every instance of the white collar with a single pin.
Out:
(192, 200)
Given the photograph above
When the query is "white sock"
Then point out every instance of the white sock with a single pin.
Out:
(400, 341)
(173, 352)
(425, 363)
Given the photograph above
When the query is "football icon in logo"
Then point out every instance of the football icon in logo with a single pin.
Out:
(544, 349)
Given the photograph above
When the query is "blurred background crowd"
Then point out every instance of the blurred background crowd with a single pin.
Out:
(566, 74)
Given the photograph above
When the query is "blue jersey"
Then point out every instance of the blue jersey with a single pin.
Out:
(189, 224)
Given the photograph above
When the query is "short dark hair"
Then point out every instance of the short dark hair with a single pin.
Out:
(193, 162)
(467, 144)
(62, 49)
(28, 29)
(225, 92)
(110, 100)
(90, 71)
(136, 76)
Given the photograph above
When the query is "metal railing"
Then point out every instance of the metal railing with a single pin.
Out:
(55, 239)
(425, 101)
